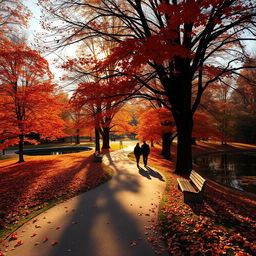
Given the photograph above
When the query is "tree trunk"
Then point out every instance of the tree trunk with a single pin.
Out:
(97, 140)
(77, 136)
(152, 143)
(193, 141)
(181, 101)
(166, 145)
(105, 138)
(184, 146)
(21, 153)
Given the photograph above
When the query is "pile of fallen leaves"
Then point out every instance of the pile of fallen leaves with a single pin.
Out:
(222, 225)
(29, 186)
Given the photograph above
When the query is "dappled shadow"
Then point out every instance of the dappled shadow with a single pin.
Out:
(35, 182)
(109, 220)
(105, 225)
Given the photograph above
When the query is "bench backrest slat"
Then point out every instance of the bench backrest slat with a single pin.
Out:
(197, 179)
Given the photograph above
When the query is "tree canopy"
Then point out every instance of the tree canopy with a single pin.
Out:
(169, 48)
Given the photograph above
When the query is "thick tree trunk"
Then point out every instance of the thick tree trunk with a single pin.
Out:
(184, 146)
(77, 136)
(166, 145)
(21, 153)
(193, 141)
(183, 116)
(152, 143)
(105, 138)
(97, 140)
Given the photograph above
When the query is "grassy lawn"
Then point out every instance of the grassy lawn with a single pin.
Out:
(29, 188)
(224, 224)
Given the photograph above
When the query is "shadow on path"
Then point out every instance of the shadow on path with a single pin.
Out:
(148, 172)
(105, 219)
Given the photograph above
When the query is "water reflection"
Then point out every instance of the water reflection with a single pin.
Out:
(236, 170)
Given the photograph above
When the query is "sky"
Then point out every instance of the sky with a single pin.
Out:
(33, 29)
(34, 21)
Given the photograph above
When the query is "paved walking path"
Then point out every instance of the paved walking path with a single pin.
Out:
(113, 219)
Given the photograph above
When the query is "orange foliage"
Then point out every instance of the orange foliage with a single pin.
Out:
(121, 121)
(13, 14)
(152, 124)
(204, 126)
(27, 103)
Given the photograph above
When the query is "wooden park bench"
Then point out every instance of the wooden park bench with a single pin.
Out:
(97, 157)
(193, 188)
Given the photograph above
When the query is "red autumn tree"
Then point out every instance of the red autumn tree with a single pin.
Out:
(217, 102)
(74, 119)
(96, 96)
(27, 103)
(13, 15)
(122, 121)
(100, 110)
(205, 127)
(174, 42)
(243, 99)
(156, 125)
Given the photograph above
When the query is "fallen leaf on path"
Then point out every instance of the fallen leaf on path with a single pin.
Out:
(133, 243)
(13, 236)
(19, 243)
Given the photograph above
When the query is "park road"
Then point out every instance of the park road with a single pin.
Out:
(114, 219)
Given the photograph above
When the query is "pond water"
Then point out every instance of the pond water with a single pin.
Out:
(236, 170)
(54, 151)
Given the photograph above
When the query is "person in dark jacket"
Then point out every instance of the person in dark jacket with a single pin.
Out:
(137, 153)
(145, 150)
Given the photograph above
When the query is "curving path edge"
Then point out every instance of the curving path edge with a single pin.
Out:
(114, 219)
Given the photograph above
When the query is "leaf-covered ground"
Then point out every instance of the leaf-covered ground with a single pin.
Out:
(224, 224)
(41, 181)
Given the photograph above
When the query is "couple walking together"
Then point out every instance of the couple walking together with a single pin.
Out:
(144, 150)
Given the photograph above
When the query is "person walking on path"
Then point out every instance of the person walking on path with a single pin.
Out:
(145, 150)
(137, 153)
